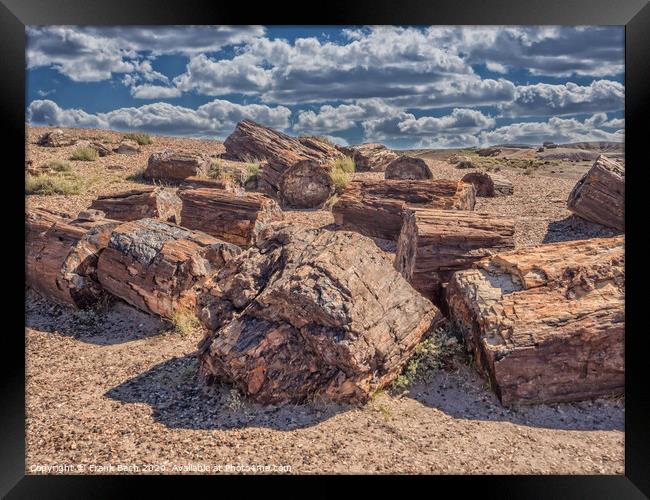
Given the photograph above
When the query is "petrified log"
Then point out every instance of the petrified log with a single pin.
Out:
(489, 184)
(376, 208)
(147, 202)
(203, 182)
(155, 265)
(301, 315)
(408, 168)
(234, 217)
(176, 166)
(599, 196)
(546, 323)
(251, 140)
(369, 157)
(433, 244)
(306, 184)
(55, 139)
(488, 152)
(128, 147)
(61, 256)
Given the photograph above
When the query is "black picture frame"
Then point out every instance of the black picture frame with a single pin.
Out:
(633, 14)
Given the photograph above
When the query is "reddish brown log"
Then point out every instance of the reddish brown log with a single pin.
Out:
(176, 166)
(236, 218)
(489, 184)
(599, 196)
(306, 184)
(301, 315)
(433, 244)
(376, 208)
(147, 202)
(369, 157)
(155, 265)
(61, 256)
(408, 168)
(546, 323)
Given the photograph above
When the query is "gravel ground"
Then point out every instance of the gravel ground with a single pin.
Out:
(118, 387)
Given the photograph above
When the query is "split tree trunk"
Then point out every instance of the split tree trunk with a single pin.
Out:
(148, 202)
(546, 323)
(232, 217)
(489, 184)
(408, 168)
(155, 265)
(306, 184)
(599, 196)
(433, 244)
(301, 315)
(61, 256)
(376, 208)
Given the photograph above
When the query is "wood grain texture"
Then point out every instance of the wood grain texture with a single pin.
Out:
(147, 202)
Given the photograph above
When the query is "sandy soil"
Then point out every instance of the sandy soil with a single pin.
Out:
(118, 387)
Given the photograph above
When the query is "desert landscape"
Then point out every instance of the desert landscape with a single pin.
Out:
(283, 304)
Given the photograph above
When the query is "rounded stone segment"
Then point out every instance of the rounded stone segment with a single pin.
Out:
(408, 168)
(176, 166)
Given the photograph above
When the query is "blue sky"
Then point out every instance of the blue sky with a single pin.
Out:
(404, 86)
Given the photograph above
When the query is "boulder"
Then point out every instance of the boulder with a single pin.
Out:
(376, 208)
(56, 139)
(306, 184)
(310, 313)
(433, 244)
(489, 184)
(147, 202)
(176, 166)
(238, 218)
(408, 168)
(128, 147)
(252, 141)
(61, 256)
(155, 265)
(369, 157)
(454, 159)
(599, 196)
(488, 152)
(546, 324)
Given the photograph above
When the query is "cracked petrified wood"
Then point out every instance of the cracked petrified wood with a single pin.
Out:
(155, 265)
(369, 157)
(376, 208)
(205, 182)
(546, 323)
(61, 256)
(599, 196)
(254, 142)
(301, 315)
(147, 202)
(176, 166)
(234, 217)
(433, 244)
(306, 184)
(488, 184)
(408, 168)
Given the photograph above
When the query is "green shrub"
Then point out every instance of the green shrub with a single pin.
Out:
(59, 165)
(140, 138)
(346, 164)
(53, 184)
(85, 153)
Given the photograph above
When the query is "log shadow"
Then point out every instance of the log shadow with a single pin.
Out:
(574, 228)
(115, 323)
(389, 246)
(462, 393)
(180, 400)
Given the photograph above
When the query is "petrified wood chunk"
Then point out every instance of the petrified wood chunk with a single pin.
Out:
(435, 243)
(488, 152)
(176, 166)
(147, 202)
(61, 256)
(376, 208)
(546, 323)
(599, 196)
(489, 184)
(56, 139)
(204, 182)
(369, 157)
(251, 140)
(128, 147)
(234, 217)
(407, 167)
(302, 315)
(306, 184)
(154, 265)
